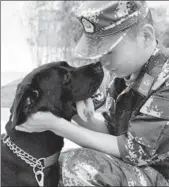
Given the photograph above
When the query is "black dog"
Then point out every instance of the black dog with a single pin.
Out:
(53, 87)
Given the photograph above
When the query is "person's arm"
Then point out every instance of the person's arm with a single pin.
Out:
(43, 121)
(96, 123)
(88, 118)
(87, 138)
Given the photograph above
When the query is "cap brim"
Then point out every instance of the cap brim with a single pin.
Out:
(93, 47)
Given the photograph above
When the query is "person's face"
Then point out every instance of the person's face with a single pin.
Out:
(128, 56)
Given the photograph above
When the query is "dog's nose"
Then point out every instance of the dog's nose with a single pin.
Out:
(97, 67)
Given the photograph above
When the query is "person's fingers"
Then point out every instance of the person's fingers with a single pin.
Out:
(22, 128)
(40, 117)
(37, 122)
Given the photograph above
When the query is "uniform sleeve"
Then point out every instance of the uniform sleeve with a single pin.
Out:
(148, 132)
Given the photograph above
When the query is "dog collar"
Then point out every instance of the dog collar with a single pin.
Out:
(38, 164)
(46, 162)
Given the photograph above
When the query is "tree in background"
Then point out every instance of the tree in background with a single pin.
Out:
(161, 24)
(51, 29)
(161, 21)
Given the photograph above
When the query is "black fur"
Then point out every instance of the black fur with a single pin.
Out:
(53, 87)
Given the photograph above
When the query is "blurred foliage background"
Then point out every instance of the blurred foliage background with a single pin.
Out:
(52, 31)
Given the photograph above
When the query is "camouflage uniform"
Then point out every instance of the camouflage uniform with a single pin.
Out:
(142, 117)
(139, 116)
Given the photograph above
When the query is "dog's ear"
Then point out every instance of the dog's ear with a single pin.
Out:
(32, 97)
(25, 100)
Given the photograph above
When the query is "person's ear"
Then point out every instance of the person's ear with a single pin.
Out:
(148, 34)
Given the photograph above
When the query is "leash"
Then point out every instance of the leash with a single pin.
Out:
(38, 165)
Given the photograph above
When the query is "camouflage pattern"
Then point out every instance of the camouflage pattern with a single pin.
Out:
(86, 167)
(148, 117)
(155, 105)
(142, 126)
(102, 22)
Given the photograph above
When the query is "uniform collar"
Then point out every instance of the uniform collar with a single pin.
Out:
(150, 71)
(133, 77)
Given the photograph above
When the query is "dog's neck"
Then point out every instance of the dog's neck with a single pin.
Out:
(38, 145)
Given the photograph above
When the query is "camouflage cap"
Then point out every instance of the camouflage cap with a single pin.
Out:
(104, 24)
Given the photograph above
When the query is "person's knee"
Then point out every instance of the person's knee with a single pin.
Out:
(83, 159)
(76, 166)
(87, 166)
(77, 155)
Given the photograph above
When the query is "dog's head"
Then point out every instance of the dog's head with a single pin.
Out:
(55, 87)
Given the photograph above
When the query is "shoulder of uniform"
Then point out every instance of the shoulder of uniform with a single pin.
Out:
(163, 78)
(158, 103)
(156, 106)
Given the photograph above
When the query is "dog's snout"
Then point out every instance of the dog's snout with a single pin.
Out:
(98, 67)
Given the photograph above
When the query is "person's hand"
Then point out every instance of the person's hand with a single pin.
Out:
(39, 122)
(85, 109)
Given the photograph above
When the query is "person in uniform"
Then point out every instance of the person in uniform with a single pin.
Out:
(129, 146)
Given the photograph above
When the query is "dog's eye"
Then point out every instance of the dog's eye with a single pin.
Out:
(67, 78)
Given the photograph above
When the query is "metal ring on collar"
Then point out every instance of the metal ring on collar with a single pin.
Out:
(39, 165)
